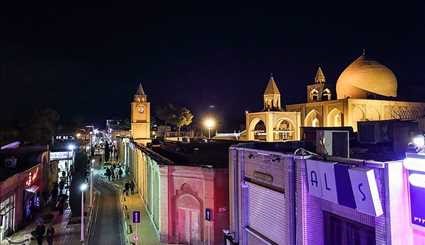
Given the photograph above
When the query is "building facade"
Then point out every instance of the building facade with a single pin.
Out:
(365, 91)
(272, 123)
(23, 184)
(341, 201)
(187, 204)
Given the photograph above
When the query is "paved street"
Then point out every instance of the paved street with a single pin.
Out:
(107, 227)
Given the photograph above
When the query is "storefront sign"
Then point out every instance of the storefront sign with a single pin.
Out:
(365, 191)
(265, 169)
(32, 177)
(136, 217)
(60, 155)
(321, 180)
(338, 183)
(417, 200)
(415, 164)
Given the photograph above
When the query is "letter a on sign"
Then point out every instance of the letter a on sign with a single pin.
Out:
(313, 178)
(365, 191)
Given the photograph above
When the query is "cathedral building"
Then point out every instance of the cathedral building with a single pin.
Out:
(365, 91)
(272, 123)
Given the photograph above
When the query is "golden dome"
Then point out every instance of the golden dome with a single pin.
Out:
(366, 76)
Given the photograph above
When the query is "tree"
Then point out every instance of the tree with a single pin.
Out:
(79, 175)
(184, 118)
(41, 127)
(174, 116)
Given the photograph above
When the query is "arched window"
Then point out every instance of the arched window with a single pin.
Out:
(260, 131)
(326, 94)
(284, 131)
(314, 95)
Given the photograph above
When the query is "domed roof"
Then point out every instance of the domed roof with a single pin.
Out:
(366, 76)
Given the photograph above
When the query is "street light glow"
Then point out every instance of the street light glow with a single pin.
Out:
(209, 123)
(78, 135)
(83, 187)
(419, 141)
(71, 147)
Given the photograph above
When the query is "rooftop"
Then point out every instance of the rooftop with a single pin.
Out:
(13, 161)
(212, 154)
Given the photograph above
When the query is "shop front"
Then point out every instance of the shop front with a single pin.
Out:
(32, 193)
(342, 203)
(261, 197)
(64, 161)
(7, 216)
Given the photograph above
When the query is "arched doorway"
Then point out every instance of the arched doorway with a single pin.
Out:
(335, 118)
(312, 119)
(284, 130)
(189, 227)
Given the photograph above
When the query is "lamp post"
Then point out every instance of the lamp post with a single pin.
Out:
(83, 188)
(209, 123)
(91, 182)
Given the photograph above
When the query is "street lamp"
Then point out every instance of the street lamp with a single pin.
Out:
(91, 181)
(83, 188)
(71, 147)
(209, 123)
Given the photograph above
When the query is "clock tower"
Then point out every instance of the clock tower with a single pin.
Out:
(140, 117)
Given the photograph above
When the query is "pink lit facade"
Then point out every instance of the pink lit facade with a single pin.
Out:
(362, 202)
(187, 204)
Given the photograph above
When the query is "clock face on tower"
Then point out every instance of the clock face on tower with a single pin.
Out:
(141, 108)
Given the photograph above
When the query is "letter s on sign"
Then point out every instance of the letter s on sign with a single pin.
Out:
(361, 192)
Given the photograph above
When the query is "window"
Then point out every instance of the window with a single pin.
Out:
(314, 95)
(326, 94)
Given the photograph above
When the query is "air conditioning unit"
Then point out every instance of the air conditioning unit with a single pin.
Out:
(333, 143)
(373, 132)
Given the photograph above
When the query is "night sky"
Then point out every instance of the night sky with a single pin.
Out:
(86, 61)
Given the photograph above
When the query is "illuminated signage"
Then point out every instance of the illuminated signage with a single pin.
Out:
(60, 155)
(338, 183)
(416, 167)
(365, 191)
(321, 180)
(32, 177)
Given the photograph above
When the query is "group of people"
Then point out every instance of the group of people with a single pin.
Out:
(114, 172)
(129, 186)
(40, 231)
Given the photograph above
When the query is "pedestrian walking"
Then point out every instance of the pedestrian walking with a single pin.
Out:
(39, 233)
(132, 186)
(120, 173)
(49, 234)
(108, 173)
(127, 187)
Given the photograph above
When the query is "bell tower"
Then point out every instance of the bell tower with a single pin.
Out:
(318, 91)
(140, 117)
(272, 96)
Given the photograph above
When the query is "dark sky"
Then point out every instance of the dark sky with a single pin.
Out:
(86, 61)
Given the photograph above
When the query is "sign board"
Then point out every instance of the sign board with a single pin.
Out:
(136, 217)
(208, 214)
(265, 169)
(417, 200)
(339, 183)
(321, 180)
(60, 155)
(365, 191)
